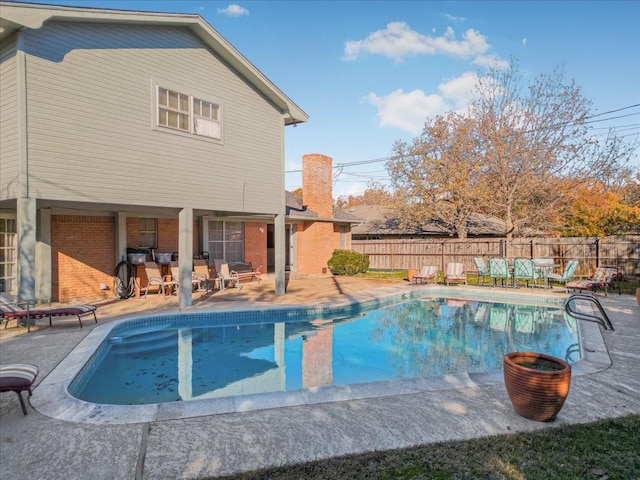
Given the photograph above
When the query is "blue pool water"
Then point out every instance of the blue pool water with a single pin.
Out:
(173, 358)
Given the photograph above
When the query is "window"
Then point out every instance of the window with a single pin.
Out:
(8, 241)
(188, 114)
(148, 233)
(226, 240)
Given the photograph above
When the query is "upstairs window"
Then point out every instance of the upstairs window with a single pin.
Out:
(188, 114)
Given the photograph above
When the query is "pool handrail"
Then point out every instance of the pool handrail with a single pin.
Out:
(603, 321)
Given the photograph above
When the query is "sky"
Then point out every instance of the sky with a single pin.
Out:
(371, 73)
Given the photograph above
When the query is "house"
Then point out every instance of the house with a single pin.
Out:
(127, 129)
(378, 223)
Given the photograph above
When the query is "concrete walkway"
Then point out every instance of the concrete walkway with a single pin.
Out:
(38, 446)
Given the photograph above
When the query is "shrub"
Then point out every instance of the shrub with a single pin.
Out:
(348, 262)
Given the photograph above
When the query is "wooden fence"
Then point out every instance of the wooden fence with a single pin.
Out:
(402, 254)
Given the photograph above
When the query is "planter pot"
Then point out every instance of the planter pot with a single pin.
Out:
(410, 274)
(537, 384)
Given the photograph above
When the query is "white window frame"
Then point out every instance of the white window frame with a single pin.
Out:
(221, 237)
(9, 247)
(202, 116)
(151, 229)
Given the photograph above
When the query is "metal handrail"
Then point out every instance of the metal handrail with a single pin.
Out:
(603, 321)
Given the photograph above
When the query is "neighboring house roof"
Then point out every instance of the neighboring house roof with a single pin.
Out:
(14, 16)
(379, 221)
(298, 211)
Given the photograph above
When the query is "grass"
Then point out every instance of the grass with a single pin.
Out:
(607, 449)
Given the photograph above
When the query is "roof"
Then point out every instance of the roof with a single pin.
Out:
(378, 221)
(15, 16)
(295, 209)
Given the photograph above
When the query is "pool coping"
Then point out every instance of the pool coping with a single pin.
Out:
(51, 396)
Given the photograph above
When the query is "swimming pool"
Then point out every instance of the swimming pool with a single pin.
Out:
(52, 398)
(194, 357)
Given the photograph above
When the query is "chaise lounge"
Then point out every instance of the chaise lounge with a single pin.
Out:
(11, 311)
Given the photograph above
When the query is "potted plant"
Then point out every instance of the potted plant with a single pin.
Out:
(537, 384)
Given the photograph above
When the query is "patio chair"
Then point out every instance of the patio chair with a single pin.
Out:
(201, 273)
(156, 279)
(603, 277)
(18, 377)
(454, 272)
(175, 275)
(499, 270)
(426, 274)
(9, 310)
(483, 271)
(227, 276)
(566, 275)
(524, 269)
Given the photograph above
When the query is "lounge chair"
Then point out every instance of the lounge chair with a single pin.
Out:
(483, 271)
(175, 274)
(12, 311)
(426, 274)
(603, 277)
(454, 272)
(499, 270)
(201, 273)
(227, 276)
(566, 275)
(18, 377)
(156, 279)
(524, 269)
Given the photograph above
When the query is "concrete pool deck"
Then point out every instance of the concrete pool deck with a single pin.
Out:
(40, 446)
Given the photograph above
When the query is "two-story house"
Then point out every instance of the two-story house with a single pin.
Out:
(127, 129)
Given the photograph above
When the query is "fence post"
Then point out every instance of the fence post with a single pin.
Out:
(597, 252)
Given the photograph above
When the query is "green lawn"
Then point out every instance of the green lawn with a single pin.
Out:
(607, 449)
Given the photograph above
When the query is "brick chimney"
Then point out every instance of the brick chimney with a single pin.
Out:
(317, 194)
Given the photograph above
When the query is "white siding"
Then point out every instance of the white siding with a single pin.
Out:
(9, 160)
(91, 136)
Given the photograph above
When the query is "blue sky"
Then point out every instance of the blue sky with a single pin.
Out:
(369, 73)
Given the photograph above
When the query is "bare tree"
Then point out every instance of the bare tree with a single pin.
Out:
(517, 155)
(439, 175)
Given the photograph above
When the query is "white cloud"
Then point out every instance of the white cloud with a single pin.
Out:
(344, 189)
(491, 61)
(409, 111)
(453, 18)
(234, 10)
(397, 41)
(524, 41)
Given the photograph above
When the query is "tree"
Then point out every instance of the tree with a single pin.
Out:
(600, 212)
(439, 175)
(517, 154)
(374, 195)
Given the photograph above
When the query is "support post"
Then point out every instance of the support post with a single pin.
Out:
(185, 256)
(279, 254)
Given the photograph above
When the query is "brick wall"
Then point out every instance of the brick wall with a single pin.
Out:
(255, 245)
(316, 243)
(83, 252)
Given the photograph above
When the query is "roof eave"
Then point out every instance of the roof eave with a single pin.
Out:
(14, 16)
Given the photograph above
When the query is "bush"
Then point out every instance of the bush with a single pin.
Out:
(348, 262)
